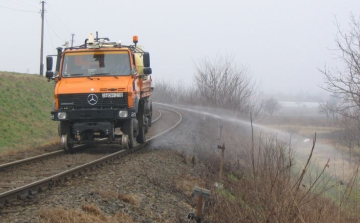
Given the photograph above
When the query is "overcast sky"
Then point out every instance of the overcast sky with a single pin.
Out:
(283, 43)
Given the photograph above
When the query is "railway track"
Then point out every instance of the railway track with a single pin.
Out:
(17, 163)
(30, 159)
(31, 189)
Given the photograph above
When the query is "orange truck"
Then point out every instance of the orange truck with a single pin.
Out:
(102, 93)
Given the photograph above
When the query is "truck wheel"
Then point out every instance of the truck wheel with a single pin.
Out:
(66, 145)
(149, 120)
(128, 129)
(150, 117)
(65, 135)
(146, 125)
(63, 128)
(141, 136)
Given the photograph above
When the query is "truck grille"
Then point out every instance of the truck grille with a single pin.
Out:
(81, 101)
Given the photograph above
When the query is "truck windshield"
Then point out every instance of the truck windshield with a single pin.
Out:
(99, 63)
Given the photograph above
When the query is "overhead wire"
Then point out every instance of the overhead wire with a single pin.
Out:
(52, 44)
(53, 11)
(25, 4)
(20, 10)
(53, 30)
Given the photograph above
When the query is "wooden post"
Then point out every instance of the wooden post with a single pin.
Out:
(42, 39)
(199, 207)
(201, 193)
(221, 159)
(222, 151)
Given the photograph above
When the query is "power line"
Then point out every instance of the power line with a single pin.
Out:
(50, 37)
(53, 11)
(53, 30)
(26, 4)
(20, 10)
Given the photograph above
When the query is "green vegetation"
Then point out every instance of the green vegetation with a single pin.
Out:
(232, 177)
(25, 104)
(225, 193)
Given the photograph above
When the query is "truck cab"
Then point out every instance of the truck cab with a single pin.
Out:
(102, 93)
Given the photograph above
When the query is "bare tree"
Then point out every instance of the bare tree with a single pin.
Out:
(165, 92)
(329, 108)
(217, 84)
(271, 105)
(220, 83)
(345, 83)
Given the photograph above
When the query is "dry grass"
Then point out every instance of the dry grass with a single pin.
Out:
(89, 214)
(112, 195)
(92, 209)
(106, 194)
(304, 130)
(186, 158)
(271, 188)
(129, 198)
(49, 146)
(187, 183)
(294, 120)
(272, 193)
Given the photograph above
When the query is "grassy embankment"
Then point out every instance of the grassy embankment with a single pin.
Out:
(25, 105)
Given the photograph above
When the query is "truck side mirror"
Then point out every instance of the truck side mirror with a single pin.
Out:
(147, 70)
(49, 63)
(49, 74)
(146, 59)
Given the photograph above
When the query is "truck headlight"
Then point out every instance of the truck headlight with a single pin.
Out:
(61, 115)
(123, 114)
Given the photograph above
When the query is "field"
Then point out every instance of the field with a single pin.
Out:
(331, 150)
(25, 104)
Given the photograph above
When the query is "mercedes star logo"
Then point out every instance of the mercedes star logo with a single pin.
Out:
(92, 99)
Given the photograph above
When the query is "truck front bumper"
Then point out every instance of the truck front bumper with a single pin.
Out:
(104, 114)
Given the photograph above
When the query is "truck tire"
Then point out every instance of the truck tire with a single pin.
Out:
(63, 128)
(146, 125)
(128, 129)
(141, 135)
(150, 116)
(149, 120)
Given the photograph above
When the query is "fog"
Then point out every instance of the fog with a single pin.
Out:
(282, 43)
(300, 145)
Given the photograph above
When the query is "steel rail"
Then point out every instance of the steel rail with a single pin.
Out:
(48, 155)
(29, 190)
(30, 159)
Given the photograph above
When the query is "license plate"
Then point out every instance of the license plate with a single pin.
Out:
(112, 95)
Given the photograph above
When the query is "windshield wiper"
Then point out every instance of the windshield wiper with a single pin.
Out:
(100, 74)
(76, 74)
(92, 78)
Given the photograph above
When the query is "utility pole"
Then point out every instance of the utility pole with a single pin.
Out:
(42, 39)
(72, 39)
